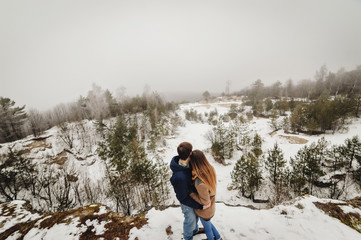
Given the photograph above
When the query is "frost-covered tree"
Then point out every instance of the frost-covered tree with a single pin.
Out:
(36, 122)
(66, 134)
(98, 103)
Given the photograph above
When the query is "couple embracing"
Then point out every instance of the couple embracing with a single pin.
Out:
(194, 182)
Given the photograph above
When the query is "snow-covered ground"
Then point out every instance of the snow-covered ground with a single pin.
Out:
(299, 220)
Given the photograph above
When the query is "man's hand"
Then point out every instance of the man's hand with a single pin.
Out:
(207, 206)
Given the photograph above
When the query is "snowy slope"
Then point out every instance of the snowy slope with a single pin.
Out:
(95, 221)
(299, 220)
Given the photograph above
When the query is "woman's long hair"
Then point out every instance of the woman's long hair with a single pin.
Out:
(203, 169)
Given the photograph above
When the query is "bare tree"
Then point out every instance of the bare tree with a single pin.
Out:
(36, 122)
(65, 132)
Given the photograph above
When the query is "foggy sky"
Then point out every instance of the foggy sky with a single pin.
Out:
(52, 51)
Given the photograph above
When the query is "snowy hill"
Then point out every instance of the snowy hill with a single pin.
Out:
(236, 217)
(298, 220)
(95, 221)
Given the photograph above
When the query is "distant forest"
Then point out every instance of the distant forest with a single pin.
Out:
(318, 106)
(99, 104)
(340, 83)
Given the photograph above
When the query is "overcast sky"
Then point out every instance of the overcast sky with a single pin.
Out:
(52, 51)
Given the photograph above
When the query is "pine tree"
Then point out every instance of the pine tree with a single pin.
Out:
(269, 104)
(247, 175)
(307, 166)
(275, 163)
(298, 118)
(16, 173)
(12, 120)
(223, 140)
(276, 166)
(257, 145)
(239, 175)
(351, 150)
(336, 161)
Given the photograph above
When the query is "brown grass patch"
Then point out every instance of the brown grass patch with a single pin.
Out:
(22, 228)
(299, 206)
(351, 219)
(38, 144)
(161, 151)
(295, 140)
(117, 225)
(272, 133)
(60, 159)
(226, 105)
(35, 143)
(203, 104)
(8, 210)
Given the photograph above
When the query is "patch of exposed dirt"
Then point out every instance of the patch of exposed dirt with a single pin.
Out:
(208, 106)
(272, 133)
(38, 144)
(295, 140)
(226, 105)
(60, 159)
(117, 226)
(34, 144)
(162, 151)
(351, 219)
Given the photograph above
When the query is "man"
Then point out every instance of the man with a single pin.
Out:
(183, 185)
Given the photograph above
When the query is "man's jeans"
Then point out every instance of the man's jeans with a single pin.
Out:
(190, 224)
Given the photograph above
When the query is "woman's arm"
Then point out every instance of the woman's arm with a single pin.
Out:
(203, 194)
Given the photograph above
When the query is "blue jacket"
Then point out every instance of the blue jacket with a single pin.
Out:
(182, 183)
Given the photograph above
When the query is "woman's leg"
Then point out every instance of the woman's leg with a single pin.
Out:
(215, 232)
(208, 229)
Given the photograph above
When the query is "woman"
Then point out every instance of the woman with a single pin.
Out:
(205, 181)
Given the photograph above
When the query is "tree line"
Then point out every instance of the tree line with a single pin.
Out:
(16, 122)
(340, 83)
(318, 106)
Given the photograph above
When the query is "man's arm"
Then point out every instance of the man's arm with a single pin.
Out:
(183, 195)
